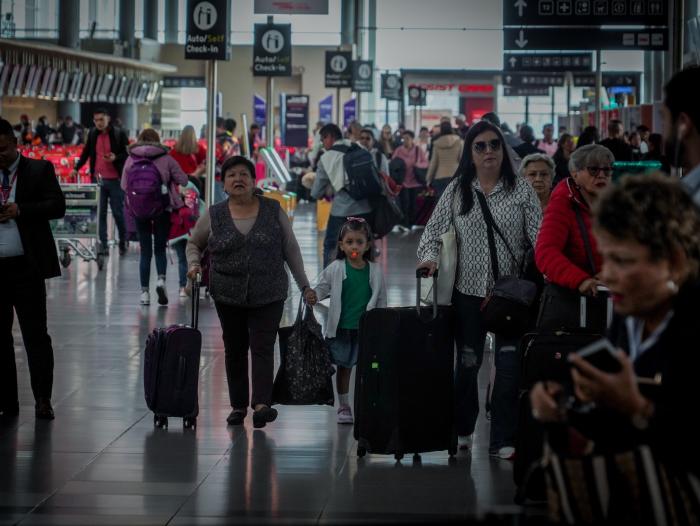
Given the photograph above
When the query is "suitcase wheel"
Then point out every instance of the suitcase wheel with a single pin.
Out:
(416, 458)
(452, 452)
(361, 451)
(189, 422)
(160, 422)
(398, 456)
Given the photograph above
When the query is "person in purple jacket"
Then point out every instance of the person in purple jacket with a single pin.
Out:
(153, 233)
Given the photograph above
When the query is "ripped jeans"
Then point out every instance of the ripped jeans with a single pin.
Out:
(470, 338)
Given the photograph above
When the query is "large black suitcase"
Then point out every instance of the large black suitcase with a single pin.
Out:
(404, 380)
(171, 370)
(543, 359)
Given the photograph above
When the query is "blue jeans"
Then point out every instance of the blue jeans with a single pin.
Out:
(180, 249)
(153, 235)
(111, 191)
(330, 242)
(470, 338)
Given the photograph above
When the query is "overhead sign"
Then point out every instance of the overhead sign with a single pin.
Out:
(208, 30)
(610, 79)
(182, 82)
(392, 87)
(525, 91)
(526, 39)
(338, 69)
(295, 127)
(325, 109)
(290, 7)
(533, 79)
(363, 76)
(272, 50)
(548, 62)
(585, 12)
(417, 96)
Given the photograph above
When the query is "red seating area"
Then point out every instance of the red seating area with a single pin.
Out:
(63, 159)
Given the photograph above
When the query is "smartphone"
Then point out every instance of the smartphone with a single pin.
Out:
(601, 355)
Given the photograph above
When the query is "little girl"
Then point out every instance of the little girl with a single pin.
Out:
(355, 284)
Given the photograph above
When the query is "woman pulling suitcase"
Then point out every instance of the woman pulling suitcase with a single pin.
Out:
(485, 186)
(250, 239)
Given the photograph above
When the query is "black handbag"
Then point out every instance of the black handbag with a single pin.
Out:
(563, 308)
(304, 376)
(506, 309)
(386, 214)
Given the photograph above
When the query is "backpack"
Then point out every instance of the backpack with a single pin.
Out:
(363, 177)
(144, 189)
(397, 170)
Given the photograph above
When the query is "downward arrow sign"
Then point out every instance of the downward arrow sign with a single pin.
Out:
(521, 42)
(520, 5)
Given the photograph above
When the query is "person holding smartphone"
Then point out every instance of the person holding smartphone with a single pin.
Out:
(648, 235)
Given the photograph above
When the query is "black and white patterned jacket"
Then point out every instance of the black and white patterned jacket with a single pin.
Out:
(517, 213)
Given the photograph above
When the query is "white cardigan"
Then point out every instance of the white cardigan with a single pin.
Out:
(330, 283)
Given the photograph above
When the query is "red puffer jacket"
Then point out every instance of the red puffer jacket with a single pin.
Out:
(560, 253)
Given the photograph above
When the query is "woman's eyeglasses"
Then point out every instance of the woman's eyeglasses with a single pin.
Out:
(480, 147)
(595, 170)
(355, 220)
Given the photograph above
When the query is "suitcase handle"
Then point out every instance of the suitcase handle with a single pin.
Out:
(196, 283)
(420, 274)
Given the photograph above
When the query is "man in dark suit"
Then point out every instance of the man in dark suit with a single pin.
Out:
(29, 197)
(106, 151)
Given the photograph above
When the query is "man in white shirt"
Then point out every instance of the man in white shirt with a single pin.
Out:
(681, 115)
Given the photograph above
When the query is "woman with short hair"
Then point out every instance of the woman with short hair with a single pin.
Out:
(250, 239)
(538, 170)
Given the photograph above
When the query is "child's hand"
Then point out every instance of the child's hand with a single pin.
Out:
(310, 297)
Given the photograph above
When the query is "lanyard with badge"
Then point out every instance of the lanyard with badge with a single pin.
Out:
(7, 186)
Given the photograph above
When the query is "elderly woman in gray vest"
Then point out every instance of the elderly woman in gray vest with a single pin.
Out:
(250, 239)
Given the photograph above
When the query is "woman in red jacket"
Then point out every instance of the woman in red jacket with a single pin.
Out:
(566, 252)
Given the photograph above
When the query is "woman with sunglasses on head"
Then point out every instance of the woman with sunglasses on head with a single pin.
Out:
(566, 252)
(485, 172)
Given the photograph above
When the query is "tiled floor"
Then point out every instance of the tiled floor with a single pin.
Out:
(101, 462)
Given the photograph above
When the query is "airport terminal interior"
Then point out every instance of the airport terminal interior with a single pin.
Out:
(176, 173)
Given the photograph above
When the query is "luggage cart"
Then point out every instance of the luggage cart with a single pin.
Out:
(77, 232)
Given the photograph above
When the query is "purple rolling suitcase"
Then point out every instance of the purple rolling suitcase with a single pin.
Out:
(171, 370)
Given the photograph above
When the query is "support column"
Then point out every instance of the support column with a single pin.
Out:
(372, 55)
(347, 23)
(150, 19)
(658, 61)
(69, 36)
(678, 41)
(171, 22)
(127, 21)
(648, 81)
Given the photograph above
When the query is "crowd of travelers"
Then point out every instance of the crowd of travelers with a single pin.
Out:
(545, 210)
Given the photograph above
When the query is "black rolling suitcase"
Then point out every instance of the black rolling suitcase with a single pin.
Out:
(171, 370)
(543, 358)
(404, 380)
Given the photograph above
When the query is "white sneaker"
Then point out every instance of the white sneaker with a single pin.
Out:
(345, 415)
(505, 453)
(183, 292)
(145, 298)
(162, 293)
(465, 442)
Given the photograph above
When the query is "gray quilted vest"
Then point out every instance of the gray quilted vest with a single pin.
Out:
(247, 270)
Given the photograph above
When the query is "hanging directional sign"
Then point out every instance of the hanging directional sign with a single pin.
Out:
(391, 86)
(272, 50)
(525, 91)
(533, 79)
(527, 39)
(585, 12)
(338, 69)
(548, 62)
(363, 76)
(610, 79)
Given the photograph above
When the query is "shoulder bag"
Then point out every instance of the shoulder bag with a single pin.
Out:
(506, 308)
(565, 308)
(421, 172)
